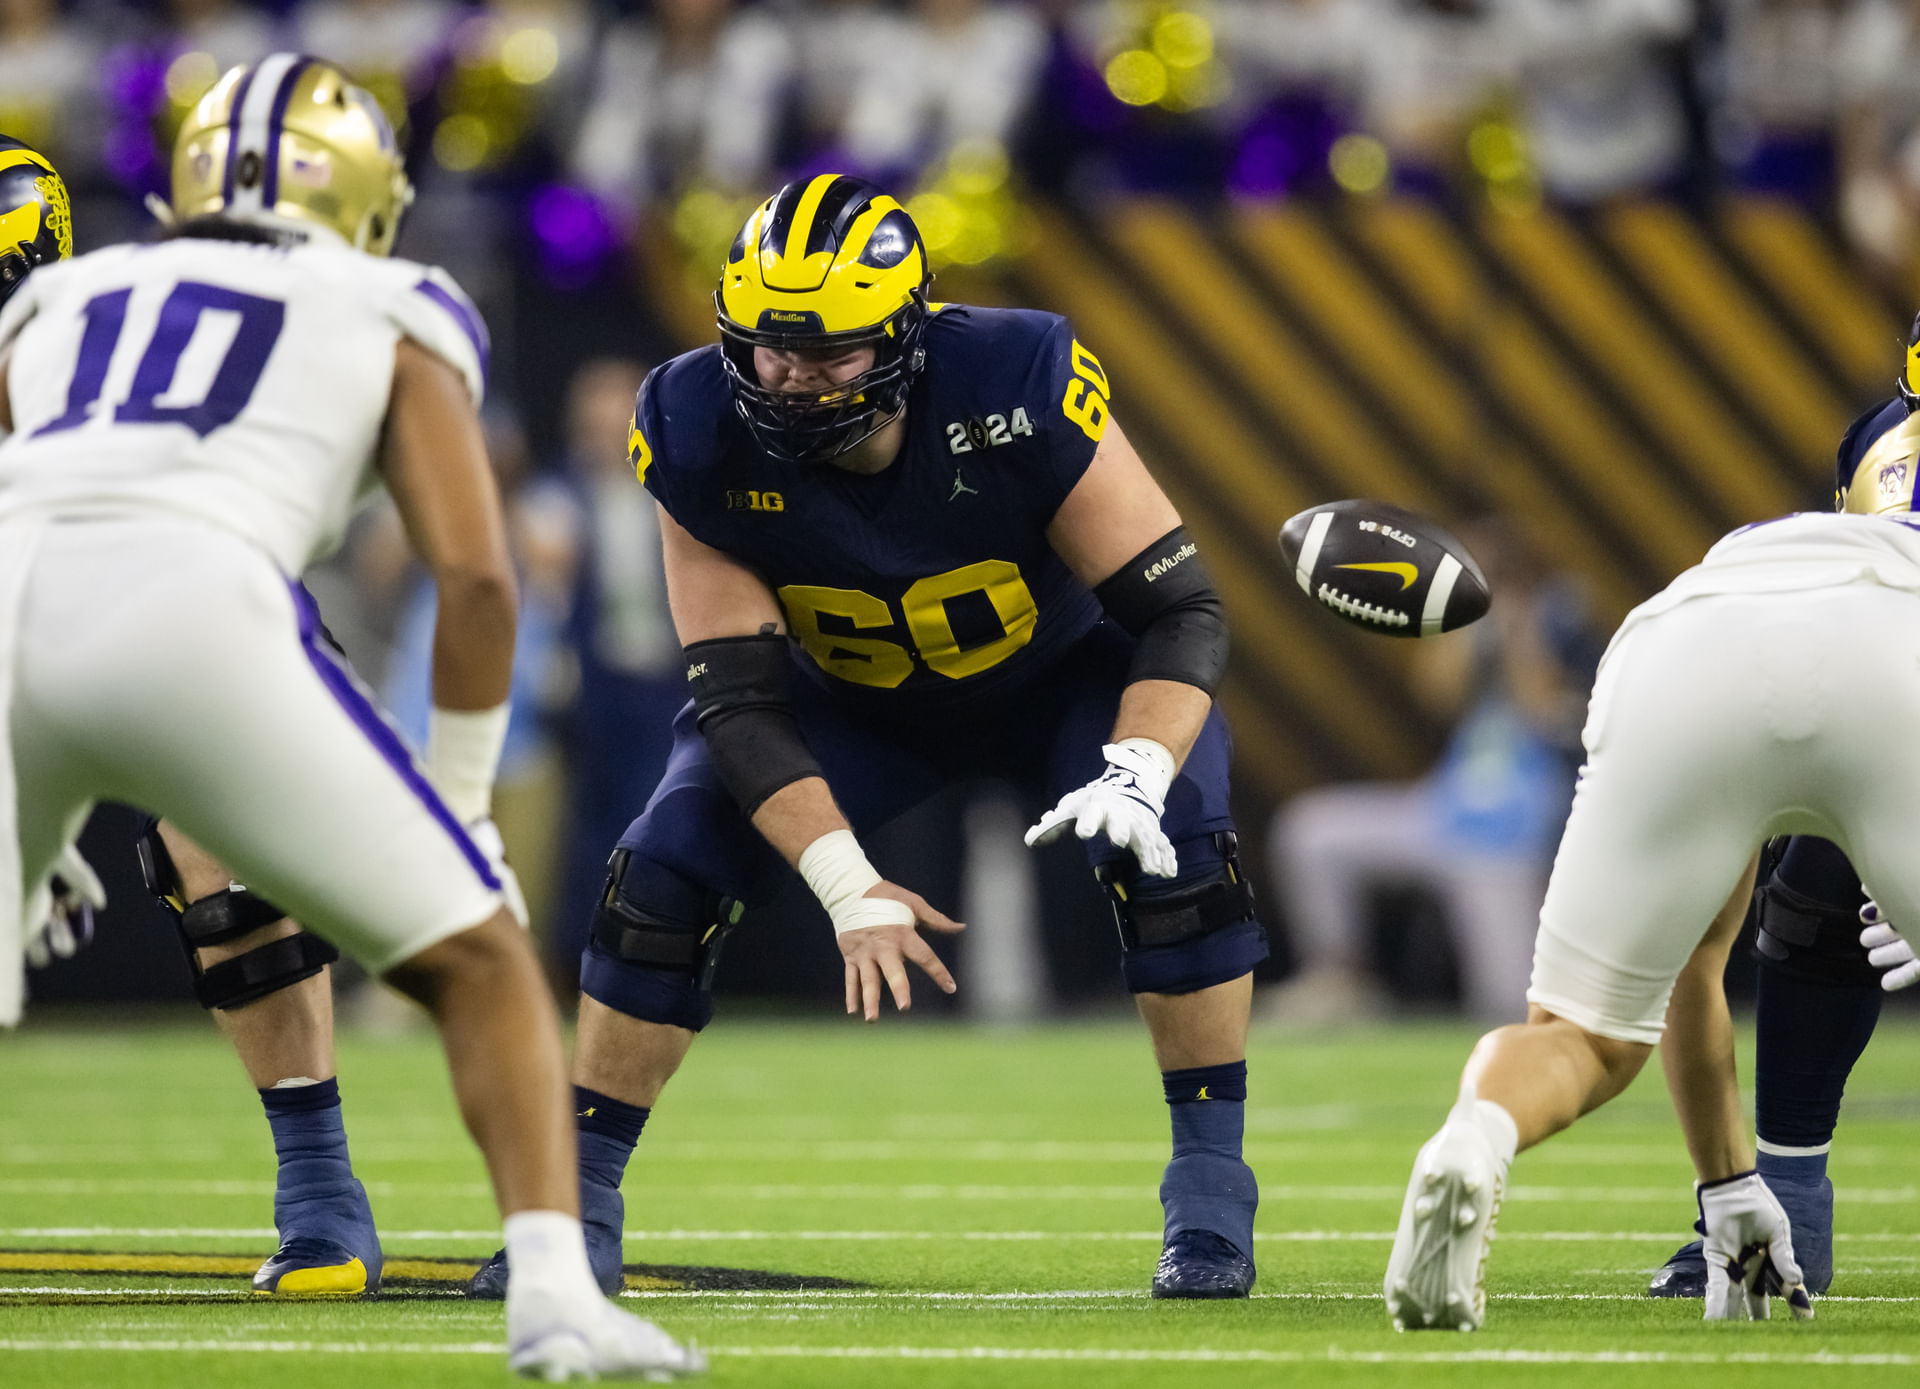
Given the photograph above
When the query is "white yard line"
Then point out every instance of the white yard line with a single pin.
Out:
(1096, 1355)
(39, 1232)
(1664, 1194)
(828, 1297)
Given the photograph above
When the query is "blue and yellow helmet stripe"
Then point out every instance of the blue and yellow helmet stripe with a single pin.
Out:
(824, 257)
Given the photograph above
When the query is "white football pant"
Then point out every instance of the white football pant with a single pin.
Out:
(170, 665)
(1715, 725)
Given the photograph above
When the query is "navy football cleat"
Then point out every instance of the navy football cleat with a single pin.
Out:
(1684, 1275)
(1201, 1264)
(309, 1267)
(489, 1281)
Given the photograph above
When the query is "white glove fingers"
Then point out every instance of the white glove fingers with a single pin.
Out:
(1051, 825)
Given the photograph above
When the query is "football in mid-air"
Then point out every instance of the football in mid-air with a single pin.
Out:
(1384, 568)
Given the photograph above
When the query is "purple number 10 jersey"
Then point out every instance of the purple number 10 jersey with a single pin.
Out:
(245, 384)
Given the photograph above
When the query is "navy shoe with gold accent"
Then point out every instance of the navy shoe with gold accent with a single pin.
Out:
(309, 1267)
(1201, 1264)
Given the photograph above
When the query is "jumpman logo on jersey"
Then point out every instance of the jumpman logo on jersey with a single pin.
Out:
(586, 1113)
(959, 486)
(1203, 1095)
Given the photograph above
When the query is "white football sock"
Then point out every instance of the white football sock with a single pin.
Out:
(1493, 1122)
(547, 1251)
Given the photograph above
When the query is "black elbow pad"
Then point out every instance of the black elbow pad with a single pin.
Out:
(742, 706)
(1166, 600)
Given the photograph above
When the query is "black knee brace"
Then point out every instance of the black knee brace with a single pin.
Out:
(1807, 936)
(223, 916)
(1192, 937)
(654, 943)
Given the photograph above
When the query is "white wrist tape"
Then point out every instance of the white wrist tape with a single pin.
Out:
(837, 870)
(463, 755)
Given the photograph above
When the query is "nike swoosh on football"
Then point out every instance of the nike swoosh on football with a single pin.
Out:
(1407, 572)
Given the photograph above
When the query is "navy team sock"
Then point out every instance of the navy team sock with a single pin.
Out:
(606, 1130)
(1810, 1033)
(315, 1193)
(1207, 1186)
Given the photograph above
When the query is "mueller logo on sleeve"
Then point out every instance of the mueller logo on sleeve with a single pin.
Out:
(1161, 567)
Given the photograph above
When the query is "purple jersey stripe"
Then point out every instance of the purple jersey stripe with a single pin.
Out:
(276, 118)
(463, 314)
(233, 136)
(346, 692)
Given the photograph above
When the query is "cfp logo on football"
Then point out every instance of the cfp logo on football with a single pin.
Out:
(1379, 528)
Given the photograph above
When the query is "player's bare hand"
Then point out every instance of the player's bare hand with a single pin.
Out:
(877, 956)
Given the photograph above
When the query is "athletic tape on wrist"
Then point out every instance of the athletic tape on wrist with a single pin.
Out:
(463, 756)
(836, 869)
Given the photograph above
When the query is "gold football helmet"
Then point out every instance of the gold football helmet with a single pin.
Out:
(825, 263)
(1883, 482)
(289, 143)
(36, 221)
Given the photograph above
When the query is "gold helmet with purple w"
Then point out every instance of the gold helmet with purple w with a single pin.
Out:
(826, 263)
(36, 220)
(289, 144)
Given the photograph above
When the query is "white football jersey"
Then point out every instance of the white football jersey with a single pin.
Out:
(241, 383)
(1808, 550)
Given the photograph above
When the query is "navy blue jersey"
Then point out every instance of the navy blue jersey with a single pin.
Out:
(930, 585)
(1861, 435)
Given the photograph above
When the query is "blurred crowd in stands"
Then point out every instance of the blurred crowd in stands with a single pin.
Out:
(570, 125)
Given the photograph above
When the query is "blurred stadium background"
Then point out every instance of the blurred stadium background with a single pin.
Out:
(1610, 275)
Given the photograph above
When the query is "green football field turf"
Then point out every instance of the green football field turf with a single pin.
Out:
(906, 1204)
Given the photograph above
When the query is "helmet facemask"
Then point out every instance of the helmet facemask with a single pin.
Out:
(817, 426)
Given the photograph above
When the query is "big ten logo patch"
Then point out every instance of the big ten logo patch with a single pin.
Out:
(755, 501)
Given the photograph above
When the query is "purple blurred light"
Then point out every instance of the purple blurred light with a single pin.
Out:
(574, 232)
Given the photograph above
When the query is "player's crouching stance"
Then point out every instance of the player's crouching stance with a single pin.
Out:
(194, 421)
(906, 545)
(1722, 715)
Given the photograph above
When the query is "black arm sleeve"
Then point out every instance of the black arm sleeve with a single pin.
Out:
(740, 701)
(1166, 600)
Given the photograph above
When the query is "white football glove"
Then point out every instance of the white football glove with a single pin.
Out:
(62, 920)
(1125, 804)
(1749, 1251)
(1888, 950)
(486, 838)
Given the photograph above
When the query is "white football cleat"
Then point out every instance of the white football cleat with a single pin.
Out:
(555, 1339)
(1440, 1253)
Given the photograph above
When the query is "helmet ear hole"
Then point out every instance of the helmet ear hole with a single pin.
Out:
(376, 227)
(246, 173)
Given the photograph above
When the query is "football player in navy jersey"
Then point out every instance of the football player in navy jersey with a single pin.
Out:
(907, 544)
(1818, 995)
